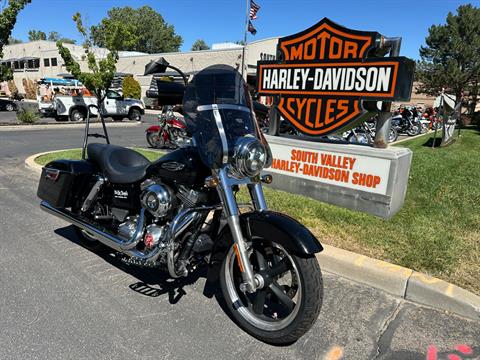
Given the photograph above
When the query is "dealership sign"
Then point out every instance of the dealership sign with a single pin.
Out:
(326, 74)
(356, 177)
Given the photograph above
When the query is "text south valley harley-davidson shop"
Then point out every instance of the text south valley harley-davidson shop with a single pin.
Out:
(353, 171)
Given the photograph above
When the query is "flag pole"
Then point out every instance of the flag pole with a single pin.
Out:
(247, 18)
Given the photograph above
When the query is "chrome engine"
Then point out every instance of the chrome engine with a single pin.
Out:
(157, 199)
(155, 235)
(128, 227)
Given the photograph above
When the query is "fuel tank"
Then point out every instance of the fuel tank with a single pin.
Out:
(182, 167)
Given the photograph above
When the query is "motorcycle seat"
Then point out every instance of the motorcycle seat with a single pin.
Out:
(119, 165)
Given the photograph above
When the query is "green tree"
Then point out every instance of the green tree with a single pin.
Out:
(131, 88)
(56, 36)
(8, 18)
(451, 58)
(151, 33)
(34, 35)
(12, 41)
(200, 45)
(102, 71)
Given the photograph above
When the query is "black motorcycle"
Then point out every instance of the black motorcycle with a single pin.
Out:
(407, 122)
(181, 210)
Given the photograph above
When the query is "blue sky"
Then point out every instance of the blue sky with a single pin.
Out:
(223, 20)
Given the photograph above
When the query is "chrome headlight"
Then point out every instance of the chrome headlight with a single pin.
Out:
(249, 157)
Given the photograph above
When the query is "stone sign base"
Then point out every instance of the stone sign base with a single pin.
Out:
(357, 177)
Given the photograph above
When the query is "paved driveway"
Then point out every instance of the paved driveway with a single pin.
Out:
(59, 300)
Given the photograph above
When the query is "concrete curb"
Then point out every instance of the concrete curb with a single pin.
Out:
(400, 281)
(64, 126)
(393, 279)
(412, 137)
(32, 165)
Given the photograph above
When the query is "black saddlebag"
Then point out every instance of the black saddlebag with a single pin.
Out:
(62, 181)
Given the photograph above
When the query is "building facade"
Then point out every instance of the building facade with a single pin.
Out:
(40, 59)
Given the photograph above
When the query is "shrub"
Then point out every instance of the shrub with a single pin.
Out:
(131, 88)
(12, 87)
(30, 89)
(27, 116)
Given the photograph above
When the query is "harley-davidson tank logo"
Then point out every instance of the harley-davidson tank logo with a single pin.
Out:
(325, 73)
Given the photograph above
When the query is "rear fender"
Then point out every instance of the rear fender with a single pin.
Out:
(78, 107)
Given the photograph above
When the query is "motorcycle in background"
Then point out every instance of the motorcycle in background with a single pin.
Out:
(407, 122)
(434, 121)
(365, 133)
(170, 132)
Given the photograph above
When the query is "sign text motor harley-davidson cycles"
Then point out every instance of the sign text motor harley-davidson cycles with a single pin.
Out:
(325, 74)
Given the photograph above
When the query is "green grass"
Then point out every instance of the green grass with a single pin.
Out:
(436, 232)
(76, 154)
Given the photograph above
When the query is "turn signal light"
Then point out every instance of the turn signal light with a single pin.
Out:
(267, 179)
(211, 182)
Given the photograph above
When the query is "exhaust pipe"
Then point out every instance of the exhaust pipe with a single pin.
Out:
(181, 222)
(105, 238)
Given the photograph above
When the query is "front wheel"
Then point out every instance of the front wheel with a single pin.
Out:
(155, 140)
(288, 303)
(393, 135)
(414, 129)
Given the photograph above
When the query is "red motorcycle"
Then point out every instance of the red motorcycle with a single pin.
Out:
(171, 131)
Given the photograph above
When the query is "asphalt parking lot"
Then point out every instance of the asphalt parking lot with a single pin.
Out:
(61, 301)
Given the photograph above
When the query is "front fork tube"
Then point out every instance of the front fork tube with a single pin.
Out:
(256, 192)
(251, 283)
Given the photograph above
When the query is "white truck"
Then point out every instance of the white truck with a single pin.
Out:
(74, 107)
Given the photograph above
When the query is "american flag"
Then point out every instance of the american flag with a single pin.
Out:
(254, 7)
(251, 29)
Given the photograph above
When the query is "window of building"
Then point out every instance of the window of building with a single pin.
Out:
(32, 63)
(54, 62)
(46, 62)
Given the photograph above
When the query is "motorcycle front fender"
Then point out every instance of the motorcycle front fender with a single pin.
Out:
(153, 129)
(286, 231)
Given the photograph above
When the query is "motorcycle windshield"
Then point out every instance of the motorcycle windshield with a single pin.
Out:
(218, 111)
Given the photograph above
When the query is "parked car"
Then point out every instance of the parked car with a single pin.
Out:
(7, 105)
(71, 101)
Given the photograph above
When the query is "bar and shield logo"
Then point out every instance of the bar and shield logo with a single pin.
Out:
(327, 73)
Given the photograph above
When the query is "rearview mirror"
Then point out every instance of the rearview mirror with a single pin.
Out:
(156, 66)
